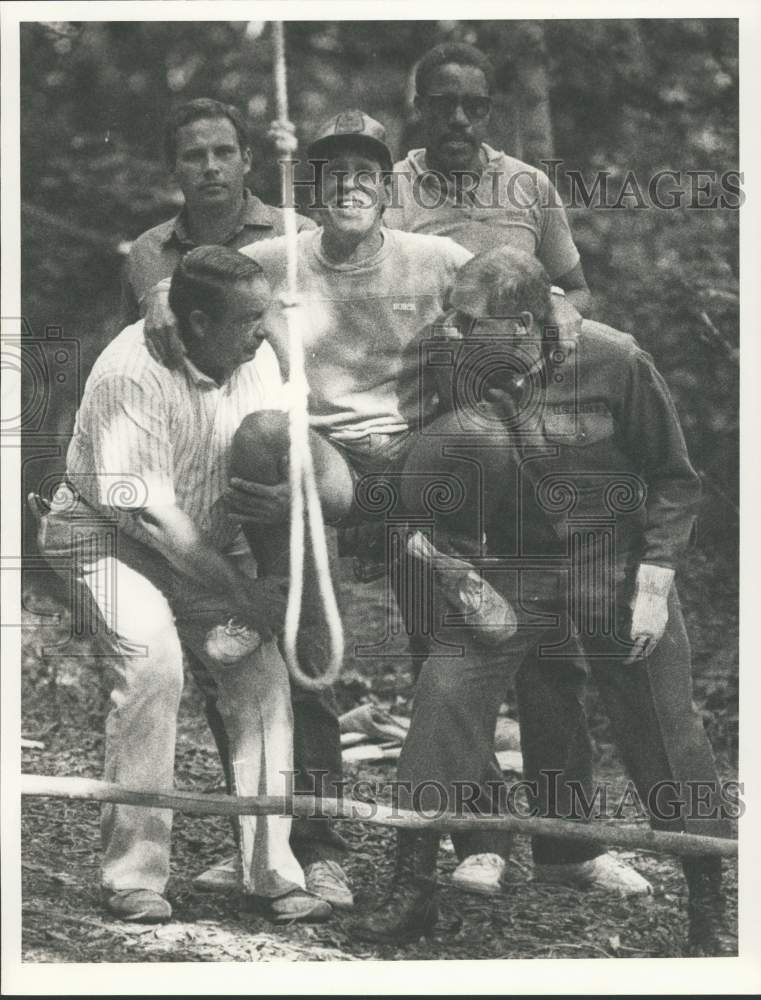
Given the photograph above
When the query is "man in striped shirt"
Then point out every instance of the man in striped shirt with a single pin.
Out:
(142, 519)
(207, 149)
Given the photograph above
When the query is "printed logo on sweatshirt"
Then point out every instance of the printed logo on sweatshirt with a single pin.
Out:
(579, 407)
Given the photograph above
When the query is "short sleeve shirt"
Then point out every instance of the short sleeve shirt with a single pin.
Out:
(363, 326)
(512, 203)
(156, 253)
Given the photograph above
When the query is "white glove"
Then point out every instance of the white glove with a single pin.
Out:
(650, 611)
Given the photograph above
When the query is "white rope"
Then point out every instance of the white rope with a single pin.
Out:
(305, 500)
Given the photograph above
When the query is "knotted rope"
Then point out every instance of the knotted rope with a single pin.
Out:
(305, 500)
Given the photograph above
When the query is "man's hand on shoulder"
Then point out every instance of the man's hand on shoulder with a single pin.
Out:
(161, 335)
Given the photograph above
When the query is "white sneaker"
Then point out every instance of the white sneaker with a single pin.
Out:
(480, 873)
(231, 642)
(225, 876)
(604, 872)
(327, 880)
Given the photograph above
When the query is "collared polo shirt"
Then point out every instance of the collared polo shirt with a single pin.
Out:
(512, 204)
(148, 436)
(155, 254)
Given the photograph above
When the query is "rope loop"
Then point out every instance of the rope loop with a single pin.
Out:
(305, 499)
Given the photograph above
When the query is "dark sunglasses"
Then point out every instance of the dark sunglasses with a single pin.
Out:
(486, 326)
(445, 105)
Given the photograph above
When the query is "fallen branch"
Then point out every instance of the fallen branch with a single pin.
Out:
(354, 810)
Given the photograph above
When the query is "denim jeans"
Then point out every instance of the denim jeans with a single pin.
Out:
(649, 703)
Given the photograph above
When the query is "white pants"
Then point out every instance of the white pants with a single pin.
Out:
(147, 612)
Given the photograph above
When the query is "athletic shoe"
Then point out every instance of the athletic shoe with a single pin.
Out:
(327, 880)
(143, 906)
(480, 606)
(480, 873)
(604, 872)
(231, 642)
(225, 876)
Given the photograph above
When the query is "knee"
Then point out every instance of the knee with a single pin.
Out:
(259, 445)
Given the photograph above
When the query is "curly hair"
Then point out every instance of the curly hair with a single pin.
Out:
(451, 52)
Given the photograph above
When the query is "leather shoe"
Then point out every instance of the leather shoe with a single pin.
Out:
(327, 880)
(225, 876)
(144, 906)
(296, 905)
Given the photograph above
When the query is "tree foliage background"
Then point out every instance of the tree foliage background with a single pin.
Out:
(604, 95)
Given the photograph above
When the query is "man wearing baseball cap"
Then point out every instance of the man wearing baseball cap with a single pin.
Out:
(369, 296)
(352, 128)
(482, 855)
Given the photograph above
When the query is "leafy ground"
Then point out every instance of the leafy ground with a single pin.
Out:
(63, 704)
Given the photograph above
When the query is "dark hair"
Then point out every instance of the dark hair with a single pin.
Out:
(512, 281)
(193, 111)
(202, 278)
(451, 52)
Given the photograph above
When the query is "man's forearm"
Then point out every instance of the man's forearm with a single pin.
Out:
(192, 555)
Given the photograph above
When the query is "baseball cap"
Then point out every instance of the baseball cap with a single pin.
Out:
(355, 126)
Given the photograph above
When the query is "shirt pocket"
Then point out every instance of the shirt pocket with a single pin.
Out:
(579, 430)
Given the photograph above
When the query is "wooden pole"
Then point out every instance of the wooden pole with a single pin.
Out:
(353, 810)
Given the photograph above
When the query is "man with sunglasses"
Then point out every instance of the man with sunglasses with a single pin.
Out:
(597, 503)
(458, 186)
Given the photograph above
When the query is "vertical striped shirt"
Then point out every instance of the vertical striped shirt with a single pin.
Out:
(148, 436)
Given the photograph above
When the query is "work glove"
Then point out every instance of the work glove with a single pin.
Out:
(650, 611)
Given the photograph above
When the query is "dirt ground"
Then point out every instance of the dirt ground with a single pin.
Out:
(63, 920)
